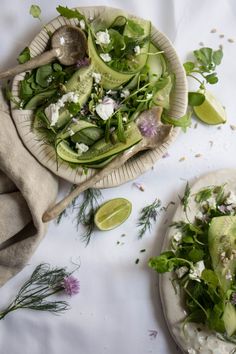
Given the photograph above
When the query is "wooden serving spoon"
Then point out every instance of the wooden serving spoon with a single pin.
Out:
(162, 133)
(69, 44)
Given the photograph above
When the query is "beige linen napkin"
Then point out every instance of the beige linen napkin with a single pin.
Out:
(27, 189)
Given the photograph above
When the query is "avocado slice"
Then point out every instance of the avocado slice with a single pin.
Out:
(222, 249)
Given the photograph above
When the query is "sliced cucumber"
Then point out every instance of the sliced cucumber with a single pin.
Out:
(82, 131)
(39, 99)
(100, 150)
(229, 318)
(155, 64)
(162, 97)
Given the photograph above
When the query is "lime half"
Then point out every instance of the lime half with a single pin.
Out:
(211, 110)
(112, 213)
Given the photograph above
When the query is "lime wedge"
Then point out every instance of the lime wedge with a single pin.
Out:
(112, 213)
(211, 110)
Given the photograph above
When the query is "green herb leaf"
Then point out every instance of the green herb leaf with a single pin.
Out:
(24, 56)
(195, 98)
(35, 11)
(217, 56)
(189, 66)
(148, 214)
(204, 56)
(211, 78)
(134, 28)
(210, 278)
(68, 13)
(161, 264)
(196, 255)
(185, 199)
(203, 195)
(183, 122)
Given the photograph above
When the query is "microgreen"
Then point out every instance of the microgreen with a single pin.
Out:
(35, 11)
(24, 56)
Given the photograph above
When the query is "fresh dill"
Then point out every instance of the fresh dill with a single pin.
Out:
(44, 282)
(185, 199)
(84, 212)
(148, 215)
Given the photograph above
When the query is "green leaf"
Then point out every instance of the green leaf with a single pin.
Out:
(25, 90)
(43, 75)
(73, 108)
(211, 78)
(189, 66)
(203, 195)
(195, 98)
(35, 11)
(210, 278)
(24, 56)
(134, 28)
(57, 67)
(196, 255)
(217, 56)
(161, 263)
(68, 13)
(204, 56)
(183, 122)
(117, 41)
(215, 321)
(185, 199)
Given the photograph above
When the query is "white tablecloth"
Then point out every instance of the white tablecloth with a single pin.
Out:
(119, 304)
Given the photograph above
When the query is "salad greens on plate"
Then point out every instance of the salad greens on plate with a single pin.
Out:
(202, 259)
(87, 111)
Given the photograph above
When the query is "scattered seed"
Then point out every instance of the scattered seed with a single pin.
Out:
(219, 128)
(123, 235)
(214, 30)
(233, 127)
(231, 40)
(198, 155)
(139, 186)
(195, 126)
(201, 44)
(211, 143)
(221, 35)
(143, 250)
(182, 159)
(117, 242)
(137, 261)
(221, 46)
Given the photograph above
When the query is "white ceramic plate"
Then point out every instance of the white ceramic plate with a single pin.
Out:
(200, 340)
(136, 166)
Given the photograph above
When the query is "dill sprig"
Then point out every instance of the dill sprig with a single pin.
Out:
(148, 215)
(185, 199)
(84, 212)
(44, 282)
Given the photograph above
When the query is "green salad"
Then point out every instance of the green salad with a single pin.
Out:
(87, 111)
(202, 257)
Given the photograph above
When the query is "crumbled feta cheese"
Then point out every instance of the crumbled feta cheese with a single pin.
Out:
(103, 37)
(195, 273)
(180, 272)
(124, 119)
(105, 108)
(105, 57)
(199, 215)
(125, 93)
(111, 92)
(52, 111)
(62, 40)
(149, 96)
(82, 24)
(81, 147)
(211, 202)
(177, 236)
(228, 275)
(191, 351)
(71, 132)
(97, 77)
(137, 49)
(231, 199)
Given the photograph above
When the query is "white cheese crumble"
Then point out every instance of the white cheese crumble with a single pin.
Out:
(149, 96)
(191, 351)
(52, 111)
(228, 275)
(71, 132)
(62, 40)
(137, 49)
(105, 57)
(103, 37)
(231, 199)
(105, 108)
(211, 202)
(125, 93)
(97, 77)
(180, 272)
(81, 147)
(82, 24)
(195, 273)
(177, 236)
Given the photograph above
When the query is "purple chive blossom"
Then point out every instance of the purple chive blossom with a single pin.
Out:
(83, 62)
(71, 285)
(233, 299)
(148, 127)
(165, 155)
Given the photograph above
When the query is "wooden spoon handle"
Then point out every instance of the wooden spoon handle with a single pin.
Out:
(118, 161)
(40, 60)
